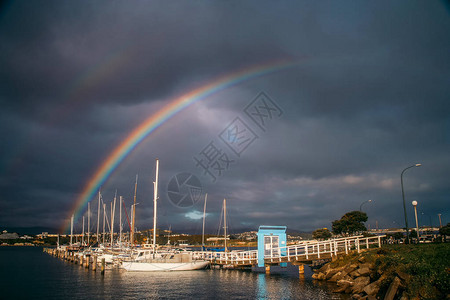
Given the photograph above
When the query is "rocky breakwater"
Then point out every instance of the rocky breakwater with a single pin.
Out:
(362, 279)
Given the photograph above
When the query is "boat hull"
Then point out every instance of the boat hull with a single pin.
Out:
(163, 267)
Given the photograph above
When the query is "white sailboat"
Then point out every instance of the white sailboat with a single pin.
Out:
(150, 260)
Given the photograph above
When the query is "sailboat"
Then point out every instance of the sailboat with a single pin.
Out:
(225, 235)
(150, 260)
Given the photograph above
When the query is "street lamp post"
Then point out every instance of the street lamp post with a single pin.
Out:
(440, 222)
(414, 203)
(360, 207)
(404, 205)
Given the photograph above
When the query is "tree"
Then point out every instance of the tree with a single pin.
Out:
(444, 231)
(350, 223)
(321, 233)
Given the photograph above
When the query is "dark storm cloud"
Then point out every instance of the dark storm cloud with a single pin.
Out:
(116, 52)
(366, 99)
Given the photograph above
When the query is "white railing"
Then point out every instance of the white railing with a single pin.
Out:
(304, 250)
(332, 247)
(233, 257)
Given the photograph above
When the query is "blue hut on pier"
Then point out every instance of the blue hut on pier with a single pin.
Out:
(271, 242)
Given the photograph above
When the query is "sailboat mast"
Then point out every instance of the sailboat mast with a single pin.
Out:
(89, 222)
(113, 211)
(110, 227)
(104, 217)
(204, 217)
(168, 237)
(98, 218)
(225, 222)
(133, 216)
(71, 230)
(155, 199)
(131, 232)
(120, 222)
(82, 236)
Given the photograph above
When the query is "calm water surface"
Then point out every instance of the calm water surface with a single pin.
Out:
(28, 273)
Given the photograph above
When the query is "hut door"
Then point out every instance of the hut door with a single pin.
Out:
(271, 246)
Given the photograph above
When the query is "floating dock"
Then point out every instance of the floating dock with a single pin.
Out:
(272, 253)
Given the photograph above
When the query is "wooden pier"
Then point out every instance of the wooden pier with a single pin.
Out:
(303, 253)
(88, 261)
(299, 254)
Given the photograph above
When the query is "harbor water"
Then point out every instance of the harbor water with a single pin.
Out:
(29, 273)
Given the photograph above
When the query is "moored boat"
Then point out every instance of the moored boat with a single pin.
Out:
(167, 260)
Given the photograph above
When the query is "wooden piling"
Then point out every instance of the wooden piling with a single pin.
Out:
(301, 271)
(94, 263)
(103, 266)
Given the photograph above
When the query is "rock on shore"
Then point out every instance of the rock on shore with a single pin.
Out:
(362, 280)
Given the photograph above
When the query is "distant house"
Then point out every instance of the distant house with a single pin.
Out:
(248, 236)
(8, 236)
(42, 235)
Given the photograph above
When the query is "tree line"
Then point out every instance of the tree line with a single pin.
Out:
(353, 223)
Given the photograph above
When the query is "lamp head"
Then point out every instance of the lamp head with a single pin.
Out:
(418, 165)
(414, 203)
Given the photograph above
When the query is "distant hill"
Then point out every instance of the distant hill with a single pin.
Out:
(305, 235)
(40, 229)
(293, 232)
(29, 230)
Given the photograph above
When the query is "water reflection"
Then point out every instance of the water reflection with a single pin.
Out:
(261, 286)
(207, 284)
(52, 278)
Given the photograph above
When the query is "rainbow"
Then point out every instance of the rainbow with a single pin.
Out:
(157, 119)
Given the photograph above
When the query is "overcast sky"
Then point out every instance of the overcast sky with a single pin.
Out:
(365, 97)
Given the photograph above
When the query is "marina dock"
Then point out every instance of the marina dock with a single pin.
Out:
(306, 252)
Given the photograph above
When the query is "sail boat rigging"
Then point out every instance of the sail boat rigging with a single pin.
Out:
(204, 218)
(225, 224)
(155, 205)
(171, 260)
(133, 217)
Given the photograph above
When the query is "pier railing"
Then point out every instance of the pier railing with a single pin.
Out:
(321, 249)
(304, 251)
(233, 257)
